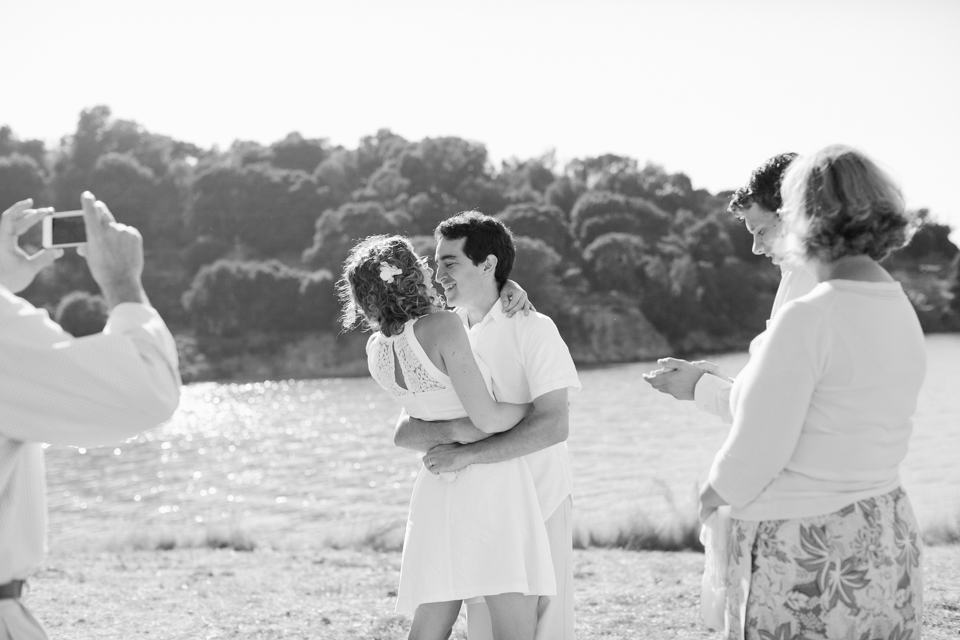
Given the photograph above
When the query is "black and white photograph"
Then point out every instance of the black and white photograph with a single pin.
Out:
(530, 320)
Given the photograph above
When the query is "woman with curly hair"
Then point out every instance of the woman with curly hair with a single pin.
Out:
(476, 533)
(824, 543)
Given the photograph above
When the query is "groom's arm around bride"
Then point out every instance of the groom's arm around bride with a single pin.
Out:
(455, 444)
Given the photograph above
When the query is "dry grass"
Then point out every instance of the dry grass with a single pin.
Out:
(213, 537)
(202, 593)
(678, 529)
(944, 532)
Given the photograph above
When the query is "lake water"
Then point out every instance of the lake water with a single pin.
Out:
(303, 461)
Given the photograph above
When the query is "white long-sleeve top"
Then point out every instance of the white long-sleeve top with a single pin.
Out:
(74, 391)
(823, 410)
(712, 393)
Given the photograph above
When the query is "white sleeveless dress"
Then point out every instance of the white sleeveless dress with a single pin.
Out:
(481, 533)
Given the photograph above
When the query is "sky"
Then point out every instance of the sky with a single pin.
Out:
(707, 88)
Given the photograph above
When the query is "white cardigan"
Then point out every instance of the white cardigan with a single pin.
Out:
(822, 412)
(712, 393)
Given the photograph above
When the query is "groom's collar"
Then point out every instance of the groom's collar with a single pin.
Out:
(495, 314)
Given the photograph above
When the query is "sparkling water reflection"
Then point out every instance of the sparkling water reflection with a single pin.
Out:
(305, 460)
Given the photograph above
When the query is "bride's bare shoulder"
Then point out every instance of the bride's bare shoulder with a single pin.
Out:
(439, 322)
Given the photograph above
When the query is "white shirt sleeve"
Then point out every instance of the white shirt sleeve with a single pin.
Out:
(547, 359)
(772, 397)
(84, 391)
(712, 394)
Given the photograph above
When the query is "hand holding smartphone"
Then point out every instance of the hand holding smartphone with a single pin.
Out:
(64, 229)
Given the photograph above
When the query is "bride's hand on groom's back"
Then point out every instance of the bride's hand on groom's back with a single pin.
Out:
(515, 299)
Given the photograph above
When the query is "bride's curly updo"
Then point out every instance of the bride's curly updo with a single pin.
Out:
(384, 285)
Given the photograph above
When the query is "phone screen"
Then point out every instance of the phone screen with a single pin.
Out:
(68, 230)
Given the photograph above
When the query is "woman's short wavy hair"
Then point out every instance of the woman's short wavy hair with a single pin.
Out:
(837, 202)
(385, 305)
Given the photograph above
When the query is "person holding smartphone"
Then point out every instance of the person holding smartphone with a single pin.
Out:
(823, 540)
(757, 204)
(59, 389)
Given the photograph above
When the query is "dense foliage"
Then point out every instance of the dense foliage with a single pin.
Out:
(248, 239)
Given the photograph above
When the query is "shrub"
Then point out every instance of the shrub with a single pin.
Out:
(271, 210)
(318, 306)
(615, 261)
(603, 224)
(204, 250)
(337, 230)
(230, 298)
(20, 178)
(564, 193)
(536, 271)
(545, 222)
(651, 222)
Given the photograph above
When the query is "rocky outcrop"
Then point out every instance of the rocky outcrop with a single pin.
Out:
(604, 329)
(273, 357)
(601, 329)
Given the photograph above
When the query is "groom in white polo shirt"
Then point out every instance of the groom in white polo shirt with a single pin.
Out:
(529, 363)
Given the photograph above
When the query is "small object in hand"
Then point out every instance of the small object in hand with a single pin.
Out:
(64, 229)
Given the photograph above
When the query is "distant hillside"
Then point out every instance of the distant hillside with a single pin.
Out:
(244, 245)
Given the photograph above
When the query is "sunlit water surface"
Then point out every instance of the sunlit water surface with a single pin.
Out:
(305, 461)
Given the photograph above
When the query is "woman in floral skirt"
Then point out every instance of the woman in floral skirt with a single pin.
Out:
(824, 543)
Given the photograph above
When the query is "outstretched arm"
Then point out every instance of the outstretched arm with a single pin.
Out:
(92, 390)
(700, 381)
(547, 425)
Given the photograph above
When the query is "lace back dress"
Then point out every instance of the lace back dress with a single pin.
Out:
(480, 534)
(426, 392)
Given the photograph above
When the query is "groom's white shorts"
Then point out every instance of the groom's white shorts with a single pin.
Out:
(554, 613)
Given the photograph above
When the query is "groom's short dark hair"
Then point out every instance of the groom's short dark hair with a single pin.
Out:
(485, 236)
(764, 186)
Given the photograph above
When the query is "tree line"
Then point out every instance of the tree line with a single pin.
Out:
(250, 239)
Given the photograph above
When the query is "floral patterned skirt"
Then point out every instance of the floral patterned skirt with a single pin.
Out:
(855, 573)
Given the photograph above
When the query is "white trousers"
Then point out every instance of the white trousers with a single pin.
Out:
(17, 623)
(554, 613)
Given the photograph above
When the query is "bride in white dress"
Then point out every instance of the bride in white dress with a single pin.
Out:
(474, 533)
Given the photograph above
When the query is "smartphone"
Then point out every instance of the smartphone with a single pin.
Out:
(64, 229)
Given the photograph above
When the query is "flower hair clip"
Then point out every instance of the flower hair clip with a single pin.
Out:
(388, 272)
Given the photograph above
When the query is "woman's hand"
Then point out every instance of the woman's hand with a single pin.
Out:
(710, 501)
(676, 377)
(709, 367)
(514, 299)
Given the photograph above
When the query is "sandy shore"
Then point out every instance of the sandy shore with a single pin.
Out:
(335, 594)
